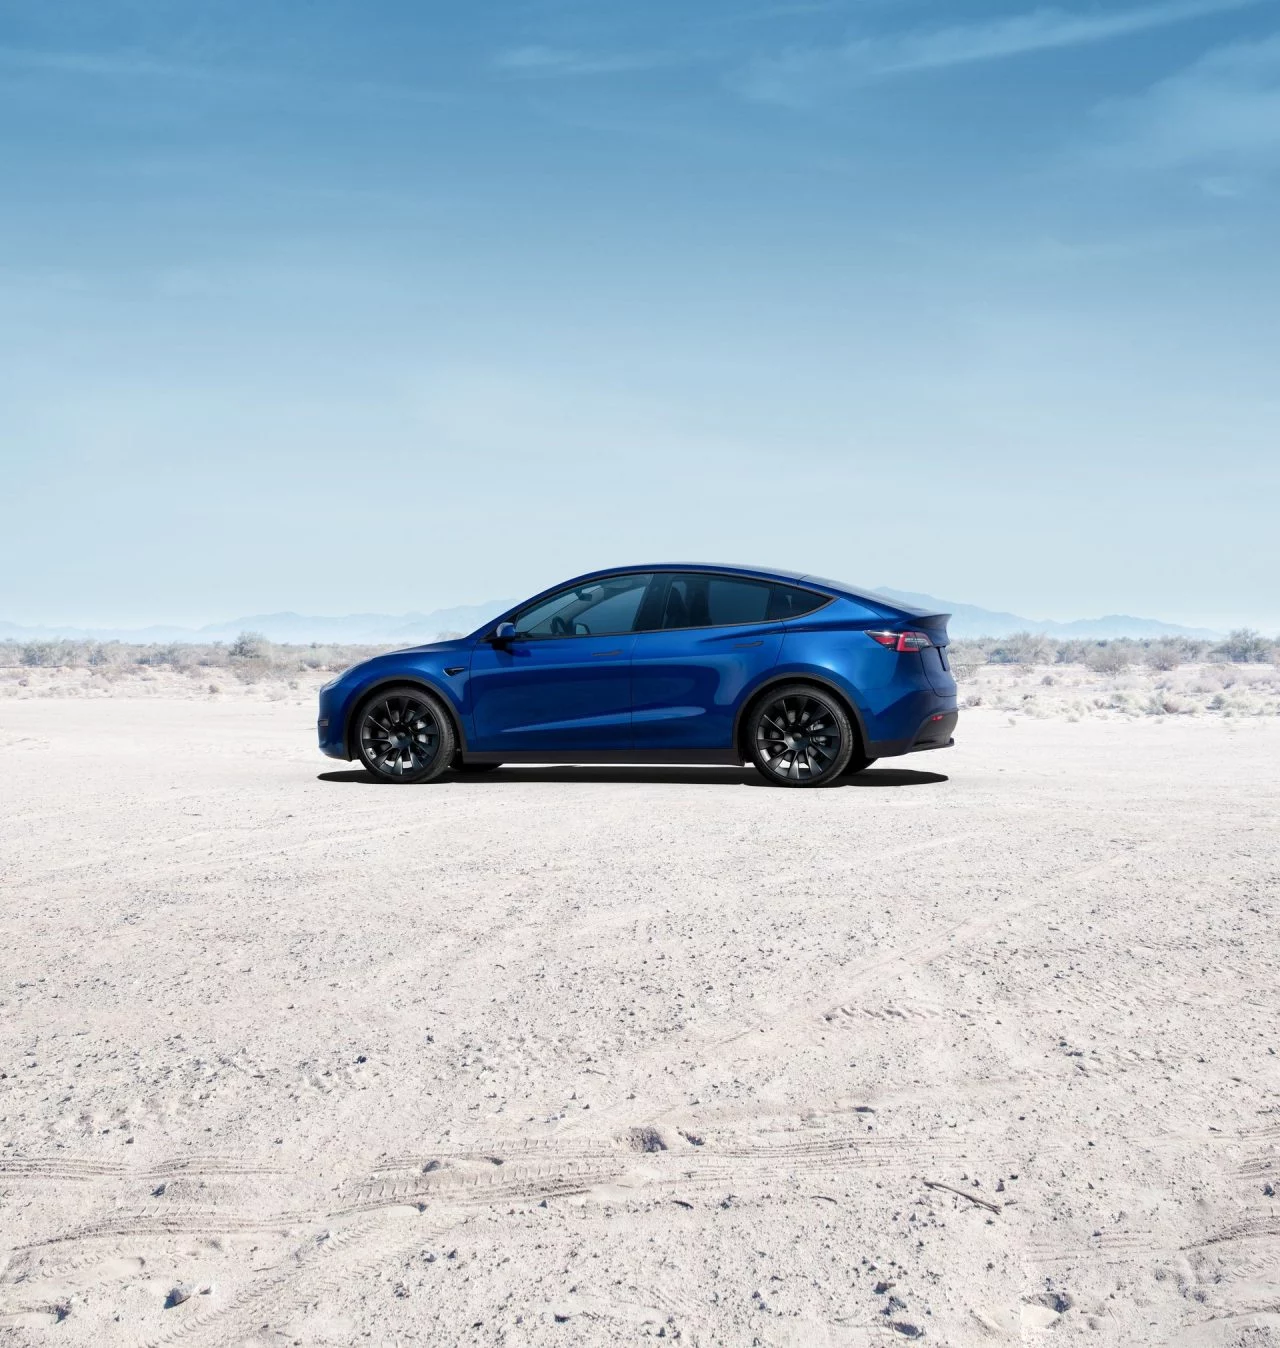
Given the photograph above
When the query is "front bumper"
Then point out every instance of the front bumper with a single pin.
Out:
(331, 722)
(328, 745)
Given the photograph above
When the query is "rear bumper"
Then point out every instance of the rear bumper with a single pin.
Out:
(935, 732)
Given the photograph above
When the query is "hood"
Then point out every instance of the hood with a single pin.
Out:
(442, 647)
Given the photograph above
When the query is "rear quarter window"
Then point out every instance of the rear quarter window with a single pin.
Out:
(788, 601)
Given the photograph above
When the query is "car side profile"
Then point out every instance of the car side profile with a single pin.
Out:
(808, 679)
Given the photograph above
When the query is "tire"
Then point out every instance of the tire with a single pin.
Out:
(784, 747)
(857, 763)
(459, 766)
(403, 734)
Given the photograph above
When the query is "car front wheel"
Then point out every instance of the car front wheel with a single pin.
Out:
(404, 735)
(800, 737)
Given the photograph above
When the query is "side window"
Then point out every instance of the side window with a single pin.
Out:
(788, 601)
(600, 608)
(698, 600)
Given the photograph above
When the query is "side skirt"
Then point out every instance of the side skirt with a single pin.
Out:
(723, 757)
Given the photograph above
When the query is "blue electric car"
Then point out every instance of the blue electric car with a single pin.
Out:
(808, 679)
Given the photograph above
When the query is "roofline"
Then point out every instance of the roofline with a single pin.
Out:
(881, 602)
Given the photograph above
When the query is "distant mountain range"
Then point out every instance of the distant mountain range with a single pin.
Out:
(353, 629)
(967, 620)
(409, 629)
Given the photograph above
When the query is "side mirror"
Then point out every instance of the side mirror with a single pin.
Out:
(503, 633)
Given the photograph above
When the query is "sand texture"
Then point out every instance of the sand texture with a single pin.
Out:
(981, 1048)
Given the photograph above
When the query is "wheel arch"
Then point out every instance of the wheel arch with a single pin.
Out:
(418, 680)
(777, 680)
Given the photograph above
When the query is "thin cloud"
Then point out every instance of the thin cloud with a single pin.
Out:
(1220, 117)
(542, 62)
(115, 65)
(130, 66)
(797, 76)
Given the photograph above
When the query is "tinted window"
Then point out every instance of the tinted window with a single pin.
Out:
(788, 601)
(600, 608)
(698, 600)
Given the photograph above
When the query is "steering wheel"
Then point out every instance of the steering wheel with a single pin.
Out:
(560, 628)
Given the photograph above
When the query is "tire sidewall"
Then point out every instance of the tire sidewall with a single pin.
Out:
(848, 735)
(444, 751)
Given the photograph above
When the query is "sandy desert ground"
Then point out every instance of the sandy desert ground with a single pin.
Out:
(981, 1048)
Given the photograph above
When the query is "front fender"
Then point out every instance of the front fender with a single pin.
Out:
(341, 714)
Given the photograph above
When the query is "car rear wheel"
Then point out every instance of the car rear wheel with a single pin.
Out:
(857, 763)
(404, 735)
(800, 736)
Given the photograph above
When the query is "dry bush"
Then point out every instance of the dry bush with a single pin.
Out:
(1109, 657)
(1244, 646)
(249, 646)
(1023, 648)
(115, 659)
(1072, 652)
(1163, 656)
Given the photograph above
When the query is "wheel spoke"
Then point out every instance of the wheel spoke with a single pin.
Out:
(400, 736)
(798, 738)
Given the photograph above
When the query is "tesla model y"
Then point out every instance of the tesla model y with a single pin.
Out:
(808, 679)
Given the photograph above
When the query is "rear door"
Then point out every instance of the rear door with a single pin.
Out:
(708, 638)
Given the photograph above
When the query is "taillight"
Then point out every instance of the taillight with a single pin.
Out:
(902, 641)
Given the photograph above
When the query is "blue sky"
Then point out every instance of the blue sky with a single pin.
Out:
(345, 307)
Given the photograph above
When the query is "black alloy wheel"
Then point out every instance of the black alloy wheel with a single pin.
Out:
(404, 735)
(800, 737)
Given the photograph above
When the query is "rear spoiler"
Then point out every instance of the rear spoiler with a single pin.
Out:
(933, 623)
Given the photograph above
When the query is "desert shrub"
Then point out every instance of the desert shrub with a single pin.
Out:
(50, 654)
(175, 655)
(37, 653)
(248, 646)
(1023, 648)
(1107, 657)
(1071, 652)
(1243, 646)
(1163, 655)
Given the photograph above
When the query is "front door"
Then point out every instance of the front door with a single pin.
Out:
(564, 682)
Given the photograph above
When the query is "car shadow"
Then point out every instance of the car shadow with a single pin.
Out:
(663, 774)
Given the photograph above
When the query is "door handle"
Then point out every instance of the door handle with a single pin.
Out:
(599, 655)
(742, 645)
